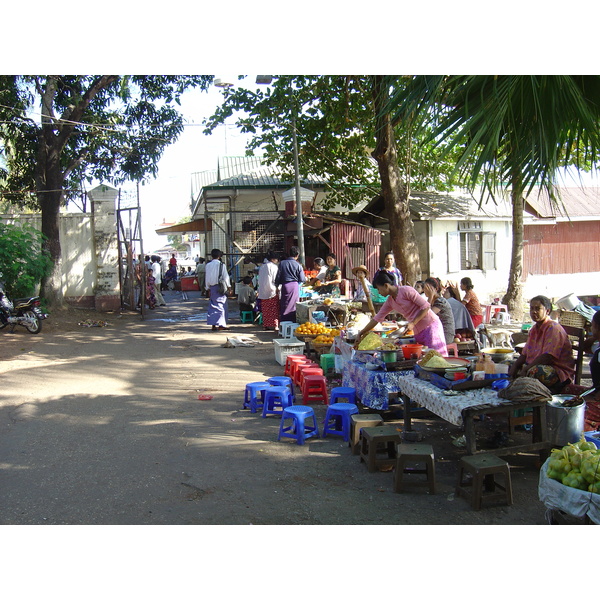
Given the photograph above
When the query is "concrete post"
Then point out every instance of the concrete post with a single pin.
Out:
(104, 227)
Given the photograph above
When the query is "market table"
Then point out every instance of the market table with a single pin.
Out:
(372, 387)
(464, 408)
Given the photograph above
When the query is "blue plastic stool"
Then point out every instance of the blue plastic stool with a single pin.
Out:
(299, 430)
(337, 419)
(342, 392)
(246, 316)
(253, 396)
(281, 380)
(276, 397)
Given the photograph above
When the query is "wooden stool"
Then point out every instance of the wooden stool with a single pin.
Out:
(379, 440)
(410, 454)
(480, 470)
(357, 422)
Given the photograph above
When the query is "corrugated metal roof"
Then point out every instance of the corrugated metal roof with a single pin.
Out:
(244, 171)
(575, 203)
(435, 205)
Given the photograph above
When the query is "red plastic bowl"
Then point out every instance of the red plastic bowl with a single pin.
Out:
(410, 349)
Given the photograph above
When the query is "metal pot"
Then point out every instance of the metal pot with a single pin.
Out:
(565, 423)
(568, 302)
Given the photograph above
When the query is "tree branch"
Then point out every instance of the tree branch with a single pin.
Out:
(76, 113)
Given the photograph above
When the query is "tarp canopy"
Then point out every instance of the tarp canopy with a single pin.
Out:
(192, 226)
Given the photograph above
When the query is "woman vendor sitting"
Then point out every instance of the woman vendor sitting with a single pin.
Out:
(548, 354)
(333, 277)
(408, 302)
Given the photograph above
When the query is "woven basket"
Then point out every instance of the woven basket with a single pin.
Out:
(570, 318)
(320, 349)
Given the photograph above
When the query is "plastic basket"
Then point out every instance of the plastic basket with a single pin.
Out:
(283, 348)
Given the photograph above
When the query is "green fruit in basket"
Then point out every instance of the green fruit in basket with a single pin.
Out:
(585, 445)
(594, 487)
(552, 474)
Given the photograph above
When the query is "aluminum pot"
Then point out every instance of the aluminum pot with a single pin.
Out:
(565, 423)
(568, 302)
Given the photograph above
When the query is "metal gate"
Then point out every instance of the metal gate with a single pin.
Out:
(129, 235)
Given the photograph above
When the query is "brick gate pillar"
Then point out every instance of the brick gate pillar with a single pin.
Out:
(107, 290)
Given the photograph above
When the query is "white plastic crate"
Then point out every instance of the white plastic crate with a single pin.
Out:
(283, 348)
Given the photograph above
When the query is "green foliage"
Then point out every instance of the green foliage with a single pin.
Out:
(93, 128)
(518, 128)
(334, 118)
(23, 263)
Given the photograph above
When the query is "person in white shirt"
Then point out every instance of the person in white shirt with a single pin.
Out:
(217, 309)
(200, 272)
(268, 294)
(157, 274)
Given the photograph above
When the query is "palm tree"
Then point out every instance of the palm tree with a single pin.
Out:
(517, 132)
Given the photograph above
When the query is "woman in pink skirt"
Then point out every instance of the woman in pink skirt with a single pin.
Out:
(268, 294)
(413, 307)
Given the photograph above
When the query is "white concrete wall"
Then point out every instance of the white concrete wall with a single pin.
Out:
(487, 284)
(559, 285)
(78, 263)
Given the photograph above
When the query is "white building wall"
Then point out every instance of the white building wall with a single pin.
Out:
(78, 260)
(487, 284)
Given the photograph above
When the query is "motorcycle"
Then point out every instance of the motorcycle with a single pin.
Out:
(23, 311)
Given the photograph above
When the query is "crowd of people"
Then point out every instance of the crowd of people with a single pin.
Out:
(435, 312)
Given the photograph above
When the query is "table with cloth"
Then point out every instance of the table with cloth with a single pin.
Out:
(372, 387)
(464, 408)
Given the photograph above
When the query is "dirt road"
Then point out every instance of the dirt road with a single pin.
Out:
(102, 425)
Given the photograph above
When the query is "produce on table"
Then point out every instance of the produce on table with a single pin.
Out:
(576, 465)
(389, 346)
(370, 342)
(316, 329)
(324, 339)
(434, 360)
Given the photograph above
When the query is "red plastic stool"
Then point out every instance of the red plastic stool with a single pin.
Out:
(314, 389)
(299, 367)
(454, 348)
(289, 360)
(295, 366)
(308, 370)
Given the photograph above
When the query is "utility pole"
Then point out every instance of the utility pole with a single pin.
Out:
(299, 217)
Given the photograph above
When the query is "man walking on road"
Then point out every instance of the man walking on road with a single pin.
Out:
(156, 272)
(217, 310)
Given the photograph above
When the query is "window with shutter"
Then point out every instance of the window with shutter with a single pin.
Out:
(453, 244)
(489, 251)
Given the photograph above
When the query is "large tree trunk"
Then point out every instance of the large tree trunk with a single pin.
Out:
(514, 292)
(395, 192)
(49, 184)
(50, 173)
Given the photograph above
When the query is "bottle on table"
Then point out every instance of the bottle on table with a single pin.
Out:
(488, 366)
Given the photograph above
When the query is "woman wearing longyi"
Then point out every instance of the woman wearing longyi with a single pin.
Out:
(415, 309)
(547, 355)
